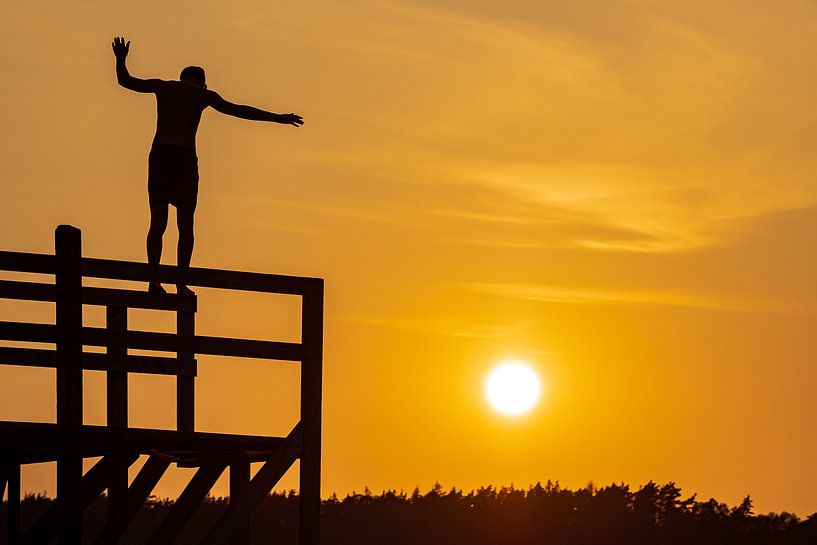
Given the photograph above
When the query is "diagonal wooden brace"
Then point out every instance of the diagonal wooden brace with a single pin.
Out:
(267, 477)
(68, 509)
(190, 499)
(138, 492)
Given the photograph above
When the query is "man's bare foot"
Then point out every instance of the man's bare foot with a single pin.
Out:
(156, 288)
(181, 289)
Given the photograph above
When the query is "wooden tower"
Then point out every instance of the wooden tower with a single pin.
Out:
(69, 440)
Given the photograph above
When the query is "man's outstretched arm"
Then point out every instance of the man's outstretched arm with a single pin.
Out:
(248, 112)
(120, 51)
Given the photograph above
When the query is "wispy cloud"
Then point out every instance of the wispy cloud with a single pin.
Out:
(457, 326)
(544, 293)
(554, 105)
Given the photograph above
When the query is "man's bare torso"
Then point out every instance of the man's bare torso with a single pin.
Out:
(179, 106)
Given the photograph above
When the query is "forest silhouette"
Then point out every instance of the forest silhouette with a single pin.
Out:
(547, 514)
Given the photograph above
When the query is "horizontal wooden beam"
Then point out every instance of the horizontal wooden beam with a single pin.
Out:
(149, 365)
(182, 458)
(172, 342)
(40, 291)
(35, 441)
(197, 459)
(246, 348)
(28, 357)
(151, 340)
(27, 291)
(92, 361)
(194, 276)
(144, 272)
(138, 299)
(27, 262)
(24, 332)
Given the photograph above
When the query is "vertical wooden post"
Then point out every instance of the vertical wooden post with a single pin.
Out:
(117, 407)
(69, 368)
(239, 482)
(185, 386)
(311, 377)
(13, 505)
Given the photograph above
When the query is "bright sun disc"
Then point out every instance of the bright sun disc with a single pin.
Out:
(512, 388)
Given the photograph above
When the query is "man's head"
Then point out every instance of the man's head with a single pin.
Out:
(194, 75)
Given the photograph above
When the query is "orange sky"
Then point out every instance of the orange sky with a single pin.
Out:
(619, 193)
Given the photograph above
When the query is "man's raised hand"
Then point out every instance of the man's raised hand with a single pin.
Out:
(292, 119)
(120, 48)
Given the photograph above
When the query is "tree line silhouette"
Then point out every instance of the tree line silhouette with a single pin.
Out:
(654, 514)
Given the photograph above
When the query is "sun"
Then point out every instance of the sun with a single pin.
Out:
(512, 388)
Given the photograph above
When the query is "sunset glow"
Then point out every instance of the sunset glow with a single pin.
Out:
(623, 190)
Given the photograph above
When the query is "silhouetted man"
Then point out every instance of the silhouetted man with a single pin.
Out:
(173, 176)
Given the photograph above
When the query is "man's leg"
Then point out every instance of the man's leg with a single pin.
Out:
(184, 220)
(158, 224)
